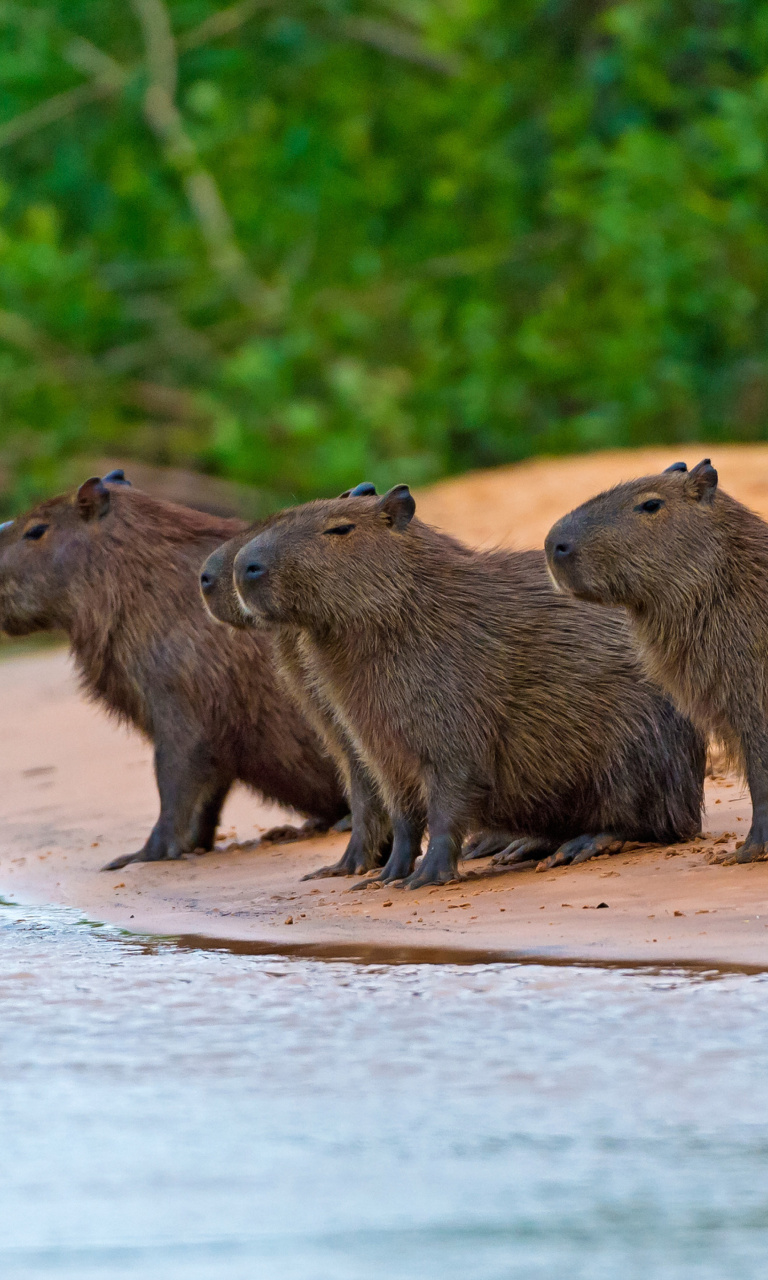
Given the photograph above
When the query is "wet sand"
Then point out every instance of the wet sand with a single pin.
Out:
(76, 790)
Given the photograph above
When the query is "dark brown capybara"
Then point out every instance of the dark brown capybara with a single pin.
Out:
(370, 841)
(118, 572)
(690, 566)
(477, 697)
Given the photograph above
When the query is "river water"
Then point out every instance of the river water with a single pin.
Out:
(171, 1112)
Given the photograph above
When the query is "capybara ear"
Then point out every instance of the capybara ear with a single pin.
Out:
(702, 481)
(676, 466)
(398, 507)
(93, 499)
(116, 477)
(360, 490)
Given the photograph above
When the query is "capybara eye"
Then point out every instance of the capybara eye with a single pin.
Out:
(35, 532)
(650, 505)
(340, 528)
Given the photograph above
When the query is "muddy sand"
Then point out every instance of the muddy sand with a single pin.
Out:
(76, 790)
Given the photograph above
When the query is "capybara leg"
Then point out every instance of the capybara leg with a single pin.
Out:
(371, 841)
(524, 849)
(406, 845)
(202, 829)
(755, 847)
(487, 843)
(192, 793)
(439, 864)
(581, 849)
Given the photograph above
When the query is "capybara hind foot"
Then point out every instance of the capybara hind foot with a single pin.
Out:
(289, 834)
(524, 849)
(486, 844)
(581, 849)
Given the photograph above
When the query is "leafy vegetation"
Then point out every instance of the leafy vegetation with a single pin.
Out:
(297, 243)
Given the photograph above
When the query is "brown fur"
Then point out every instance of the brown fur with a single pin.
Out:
(476, 697)
(693, 576)
(118, 571)
(371, 837)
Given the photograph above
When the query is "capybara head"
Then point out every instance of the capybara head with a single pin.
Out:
(216, 577)
(653, 538)
(45, 553)
(328, 563)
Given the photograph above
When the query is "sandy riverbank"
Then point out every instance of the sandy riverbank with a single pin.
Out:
(75, 790)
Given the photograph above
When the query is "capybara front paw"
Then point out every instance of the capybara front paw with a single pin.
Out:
(344, 867)
(523, 850)
(124, 859)
(425, 875)
(750, 851)
(375, 882)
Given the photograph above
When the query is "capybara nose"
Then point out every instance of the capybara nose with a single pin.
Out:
(254, 571)
(562, 550)
(207, 582)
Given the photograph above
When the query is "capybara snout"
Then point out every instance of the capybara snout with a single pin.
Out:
(250, 572)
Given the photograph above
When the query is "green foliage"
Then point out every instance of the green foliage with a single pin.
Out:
(301, 244)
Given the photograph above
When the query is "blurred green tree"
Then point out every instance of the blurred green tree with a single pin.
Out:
(301, 242)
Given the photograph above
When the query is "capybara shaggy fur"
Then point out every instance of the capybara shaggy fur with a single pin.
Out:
(690, 566)
(477, 697)
(118, 572)
(371, 836)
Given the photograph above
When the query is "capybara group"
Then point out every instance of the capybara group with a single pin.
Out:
(476, 697)
(118, 572)
(690, 566)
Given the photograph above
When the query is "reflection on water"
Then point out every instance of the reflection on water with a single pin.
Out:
(172, 1113)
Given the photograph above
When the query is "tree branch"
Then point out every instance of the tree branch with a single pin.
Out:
(108, 77)
(222, 23)
(53, 109)
(164, 118)
(399, 43)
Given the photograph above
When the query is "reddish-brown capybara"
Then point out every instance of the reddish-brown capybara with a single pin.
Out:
(370, 840)
(690, 566)
(118, 572)
(477, 697)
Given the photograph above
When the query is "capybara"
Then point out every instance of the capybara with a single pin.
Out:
(118, 572)
(690, 566)
(477, 697)
(371, 837)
